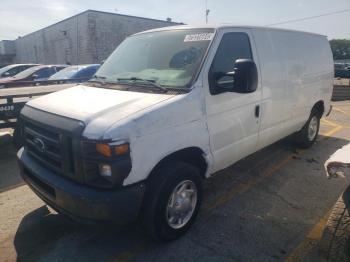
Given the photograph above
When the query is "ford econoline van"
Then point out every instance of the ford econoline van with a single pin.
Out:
(168, 108)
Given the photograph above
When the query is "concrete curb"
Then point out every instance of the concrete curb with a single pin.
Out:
(340, 93)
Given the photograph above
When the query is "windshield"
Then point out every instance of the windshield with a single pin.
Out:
(27, 72)
(66, 73)
(167, 58)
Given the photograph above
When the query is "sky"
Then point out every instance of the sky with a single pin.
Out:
(20, 17)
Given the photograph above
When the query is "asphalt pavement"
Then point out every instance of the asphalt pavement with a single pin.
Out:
(270, 206)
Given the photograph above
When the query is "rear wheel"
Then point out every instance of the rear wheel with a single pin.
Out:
(308, 134)
(172, 201)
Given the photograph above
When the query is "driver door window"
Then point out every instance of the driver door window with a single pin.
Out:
(233, 46)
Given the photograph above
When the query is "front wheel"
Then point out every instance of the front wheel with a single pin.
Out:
(172, 201)
(308, 134)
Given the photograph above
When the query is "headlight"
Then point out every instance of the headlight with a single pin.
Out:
(108, 150)
(106, 165)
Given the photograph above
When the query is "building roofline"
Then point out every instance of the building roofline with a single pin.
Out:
(96, 11)
(133, 16)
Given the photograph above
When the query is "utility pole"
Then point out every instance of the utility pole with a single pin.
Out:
(77, 51)
(206, 11)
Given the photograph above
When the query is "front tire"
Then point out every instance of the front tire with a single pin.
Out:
(172, 201)
(306, 137)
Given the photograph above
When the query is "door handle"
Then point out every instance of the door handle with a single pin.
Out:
(257, 111)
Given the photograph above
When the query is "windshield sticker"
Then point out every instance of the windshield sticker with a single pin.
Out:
(199, 37)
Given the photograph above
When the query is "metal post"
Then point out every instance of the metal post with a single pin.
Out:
(206, 11)
(77, 51)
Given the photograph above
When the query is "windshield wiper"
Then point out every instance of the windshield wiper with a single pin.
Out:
(99, 79)
(149, 82)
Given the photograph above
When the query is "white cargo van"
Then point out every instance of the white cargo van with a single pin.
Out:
(168, 108)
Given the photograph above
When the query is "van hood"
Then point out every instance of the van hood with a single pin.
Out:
(87, 103)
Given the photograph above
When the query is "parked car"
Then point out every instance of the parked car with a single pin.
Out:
(14, 69)
(76, 73)
(168, 108)
(335, 241)
(40, 72)
(342, 70)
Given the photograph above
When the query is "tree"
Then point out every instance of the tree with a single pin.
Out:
(340, 48)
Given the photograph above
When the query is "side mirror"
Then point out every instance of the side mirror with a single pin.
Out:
(245, 76)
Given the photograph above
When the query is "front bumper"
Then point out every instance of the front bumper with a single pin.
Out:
(80, 201)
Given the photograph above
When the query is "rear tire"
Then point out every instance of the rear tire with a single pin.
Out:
(306, 137)
(165, 207)
(335, 244)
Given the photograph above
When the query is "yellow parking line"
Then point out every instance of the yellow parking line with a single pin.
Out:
(329, 122)
(310, 241)
(334, 130)
(341, 111)
(315, 234)
(242, 187)
(325, 123)
(238, 189)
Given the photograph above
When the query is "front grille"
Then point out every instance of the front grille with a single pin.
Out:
(50, 147)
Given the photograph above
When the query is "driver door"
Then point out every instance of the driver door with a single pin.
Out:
(233, 118)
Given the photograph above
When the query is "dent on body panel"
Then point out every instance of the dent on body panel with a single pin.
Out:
(179, 110)
(160, 130)
(124, 113)
(149, 150)
(229, 127)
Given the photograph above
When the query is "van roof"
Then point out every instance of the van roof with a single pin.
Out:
(222, 26)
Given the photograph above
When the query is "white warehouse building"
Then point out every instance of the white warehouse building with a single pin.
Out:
(88, 37)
